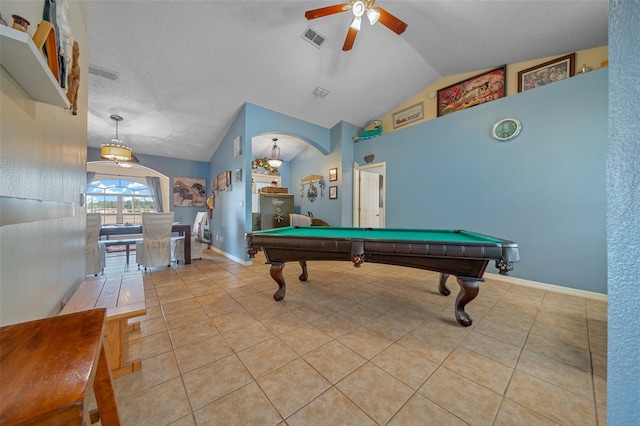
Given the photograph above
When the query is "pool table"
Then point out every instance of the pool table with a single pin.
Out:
(463, 254)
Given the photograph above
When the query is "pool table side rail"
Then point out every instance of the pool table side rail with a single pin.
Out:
(506, 250)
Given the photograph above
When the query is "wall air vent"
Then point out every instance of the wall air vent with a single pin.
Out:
(313, 37)
(103, 72)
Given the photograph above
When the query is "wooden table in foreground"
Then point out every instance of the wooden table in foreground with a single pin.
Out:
(451, 252)
(123, 296)
(48, 368)
(182, 229)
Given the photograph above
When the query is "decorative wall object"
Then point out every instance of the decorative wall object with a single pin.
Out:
(238, 175)
(189, 192)
(372, 130)
(333, 192)
(312, 190)
(73, 79)
(546, 73)
(506, 129)
(333, 174)
(369, 158)
(408, 115)
(20, 24)
(485, 87)
(237, 146)
(223, 180)
(262, 163)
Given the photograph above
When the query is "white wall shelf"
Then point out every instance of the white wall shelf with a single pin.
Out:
(27, 65)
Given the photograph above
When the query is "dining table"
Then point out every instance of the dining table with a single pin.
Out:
(133, 229)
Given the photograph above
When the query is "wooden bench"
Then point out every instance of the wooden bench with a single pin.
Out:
(124, 298)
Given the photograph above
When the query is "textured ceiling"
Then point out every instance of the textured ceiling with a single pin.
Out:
(186, 67)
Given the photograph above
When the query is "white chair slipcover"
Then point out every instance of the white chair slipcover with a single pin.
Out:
(155, 247)
(197, 233)
(95, 252)
(296, 219)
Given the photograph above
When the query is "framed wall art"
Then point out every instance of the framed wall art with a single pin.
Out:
(333, 192)
(237, 146)
(408, 115)
(485, 87)
(333, 174)
(546, 73)
(189, 192)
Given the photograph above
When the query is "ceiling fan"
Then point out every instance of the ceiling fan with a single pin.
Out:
(359, 8)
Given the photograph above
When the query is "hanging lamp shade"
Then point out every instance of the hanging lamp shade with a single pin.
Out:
(115, 151)
(275, 161)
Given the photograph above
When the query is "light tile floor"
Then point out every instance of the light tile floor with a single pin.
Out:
(357, 346)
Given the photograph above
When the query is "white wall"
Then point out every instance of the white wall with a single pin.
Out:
(43, 155)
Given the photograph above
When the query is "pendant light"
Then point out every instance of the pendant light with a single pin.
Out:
(115, 151)
(275, 161)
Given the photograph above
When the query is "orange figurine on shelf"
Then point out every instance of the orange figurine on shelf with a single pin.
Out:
(73, 81)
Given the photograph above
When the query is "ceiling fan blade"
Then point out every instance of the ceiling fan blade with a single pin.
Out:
(325, 11)
(351, 37)
(391, 22)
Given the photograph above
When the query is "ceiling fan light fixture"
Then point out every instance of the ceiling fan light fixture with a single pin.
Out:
(373, 16)
(355, 24)
(358, 9)
(275, 161)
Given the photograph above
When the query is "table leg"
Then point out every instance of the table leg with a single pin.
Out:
(304, 275)
(468, 291)
(114, 343)
(103, 389)
(442, 287)
(276, 274)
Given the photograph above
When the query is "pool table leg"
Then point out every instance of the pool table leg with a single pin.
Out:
(304, 275)
(468, 291)
(276, 274)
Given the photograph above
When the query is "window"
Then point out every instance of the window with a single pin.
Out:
(119, 200)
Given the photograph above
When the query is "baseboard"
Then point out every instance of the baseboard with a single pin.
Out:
(232, 257)
(548, 287)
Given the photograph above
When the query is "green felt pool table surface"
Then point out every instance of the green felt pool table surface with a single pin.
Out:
(423, 235)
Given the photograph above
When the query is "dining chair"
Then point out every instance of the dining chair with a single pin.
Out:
(155, 247)
(95, 253)
(197, 239)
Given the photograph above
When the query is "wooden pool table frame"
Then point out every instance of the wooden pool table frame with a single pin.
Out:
(465, 260)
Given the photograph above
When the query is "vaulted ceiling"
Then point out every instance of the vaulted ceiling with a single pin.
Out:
(185, 68)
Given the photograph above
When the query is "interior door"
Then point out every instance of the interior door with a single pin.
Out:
(369, 195)
(369, 199)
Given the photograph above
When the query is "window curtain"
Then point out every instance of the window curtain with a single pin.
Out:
(156, 192)
(90, 176)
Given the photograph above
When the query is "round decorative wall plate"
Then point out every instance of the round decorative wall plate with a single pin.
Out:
(505, 129)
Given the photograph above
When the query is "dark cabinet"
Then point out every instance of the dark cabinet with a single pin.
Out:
(275, 210)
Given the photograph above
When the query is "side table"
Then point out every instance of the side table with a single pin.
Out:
(48, 368)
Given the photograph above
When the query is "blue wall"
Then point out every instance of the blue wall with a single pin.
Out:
(623, 213)
(545, 189)
(232, 215)
(170, 167)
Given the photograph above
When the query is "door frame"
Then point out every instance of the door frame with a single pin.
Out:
(380, 169)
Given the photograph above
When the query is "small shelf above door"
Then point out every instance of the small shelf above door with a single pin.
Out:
(27, 65)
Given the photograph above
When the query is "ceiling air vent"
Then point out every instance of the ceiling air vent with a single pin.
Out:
(313, 37)
(103, 72)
